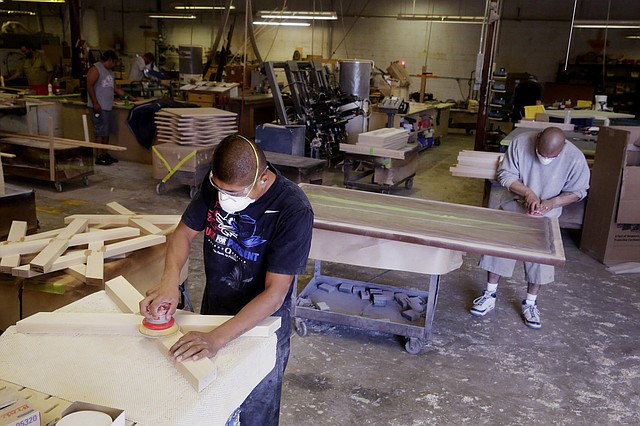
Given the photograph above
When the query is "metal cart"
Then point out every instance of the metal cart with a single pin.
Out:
(187, 165)
(378, 172)
(351, 310)
(428, 238)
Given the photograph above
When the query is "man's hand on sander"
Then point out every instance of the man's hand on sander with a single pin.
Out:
(158, 299)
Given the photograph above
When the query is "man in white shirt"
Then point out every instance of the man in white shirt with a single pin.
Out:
(139, 65)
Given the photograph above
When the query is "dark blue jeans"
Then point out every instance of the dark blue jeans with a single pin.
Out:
(262, 406)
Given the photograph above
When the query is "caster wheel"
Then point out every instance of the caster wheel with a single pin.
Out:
(160, 188)
(301, 328)
(436, 141)
(193, 191)
(58, 186)
(85, 180)
(385, 191)
(413, 345)
(408, 183)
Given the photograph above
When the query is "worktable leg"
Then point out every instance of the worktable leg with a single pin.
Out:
(432, 301)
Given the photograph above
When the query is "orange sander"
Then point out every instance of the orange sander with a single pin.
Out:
(161, 326)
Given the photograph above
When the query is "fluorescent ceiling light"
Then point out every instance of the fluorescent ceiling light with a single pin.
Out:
(283, 23)
(279, 14)
(17, 12)
(42, 1)
(174, 16)
(187, 7)
(605, 24)
(633, 36)
(445, 19)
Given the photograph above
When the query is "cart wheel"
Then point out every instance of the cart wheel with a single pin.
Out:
(193, 191)
(408, 183)
(301, 327)
(385, 191)
(436, 141)
(85, 180)
(413, 345)
(58, 186)
(160, 188)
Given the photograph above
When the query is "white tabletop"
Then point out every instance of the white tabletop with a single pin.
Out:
(130, 372)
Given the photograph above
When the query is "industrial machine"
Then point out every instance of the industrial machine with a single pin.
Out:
(312, 101)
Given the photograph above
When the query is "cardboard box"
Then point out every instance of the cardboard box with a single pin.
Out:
(116, 414)
(173, 153)
(19, 413)
(611, 231)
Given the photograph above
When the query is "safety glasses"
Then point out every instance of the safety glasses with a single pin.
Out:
(243, 192)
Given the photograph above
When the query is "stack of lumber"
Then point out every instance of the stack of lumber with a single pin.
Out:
(477, 164)
(82, 247)
(388, 138)
(195, 126)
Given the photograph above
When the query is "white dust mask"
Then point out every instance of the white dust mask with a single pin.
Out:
(232, 204)
(545, 160)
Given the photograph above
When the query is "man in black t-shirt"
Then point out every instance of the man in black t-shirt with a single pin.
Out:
(257, 235)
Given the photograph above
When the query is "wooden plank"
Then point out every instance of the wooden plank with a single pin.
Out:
(435, 224)
(123, 220)
(472, 172)
(52, 153)
(205, 323)
(16, 137)
(199, 374)
(62, 262)
(123, 294)
(544, 125)
(122, 247)
(40, 235)
(145, 226)
(17, 231)
(43, 261)
(117, 208)
(32, 246)
(81, 323)
(7, 263)
(94, 272)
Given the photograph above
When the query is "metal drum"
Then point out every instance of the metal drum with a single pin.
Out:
(190, 59)
(355, 79)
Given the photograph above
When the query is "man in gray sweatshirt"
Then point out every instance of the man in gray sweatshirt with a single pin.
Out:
(543, 172)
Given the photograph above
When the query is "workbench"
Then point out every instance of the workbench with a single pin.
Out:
(600, 117)
(53, 162)
(406, 234)
(130, 373)
(252, 110)
(386, 168)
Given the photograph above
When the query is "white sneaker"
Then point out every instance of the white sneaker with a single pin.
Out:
(483, 304)
(531, 315)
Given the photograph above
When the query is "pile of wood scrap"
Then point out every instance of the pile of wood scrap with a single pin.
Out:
(477, 164)
(195, 126)
(82, 247)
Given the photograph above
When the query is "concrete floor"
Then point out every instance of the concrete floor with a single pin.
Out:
(581, 368)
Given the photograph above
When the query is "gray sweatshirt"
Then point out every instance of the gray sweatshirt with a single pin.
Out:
(567, 173)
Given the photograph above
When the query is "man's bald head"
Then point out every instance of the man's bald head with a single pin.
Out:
(234, 161)
(550, 142)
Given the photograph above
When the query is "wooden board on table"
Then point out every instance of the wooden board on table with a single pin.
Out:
(437, 224)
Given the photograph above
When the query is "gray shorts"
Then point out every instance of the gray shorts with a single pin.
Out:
(103, 125)
(534, 273)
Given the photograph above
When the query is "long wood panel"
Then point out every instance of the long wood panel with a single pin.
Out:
(437, 224)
